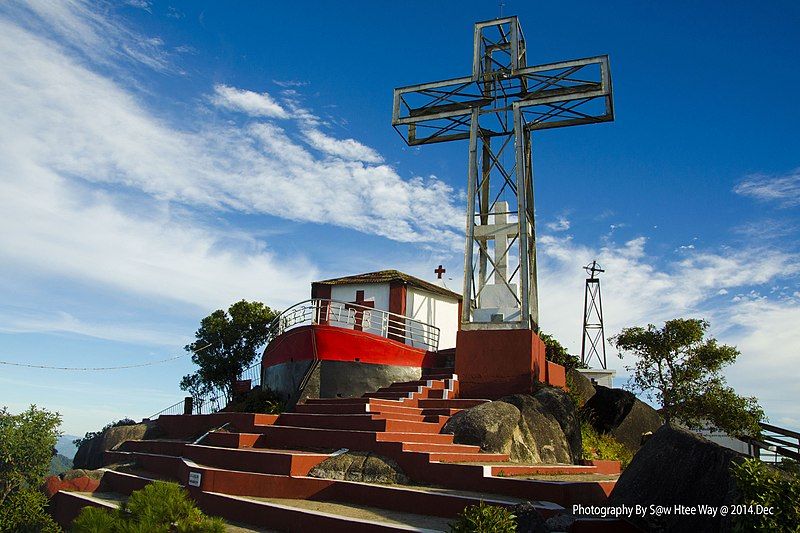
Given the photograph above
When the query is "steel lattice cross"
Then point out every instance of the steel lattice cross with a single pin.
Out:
(503, 99)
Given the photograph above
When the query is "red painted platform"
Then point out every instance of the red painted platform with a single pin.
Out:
(267, 456)
(331, 343)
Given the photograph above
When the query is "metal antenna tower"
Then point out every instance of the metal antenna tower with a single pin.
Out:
(593, 318)
(504, 100)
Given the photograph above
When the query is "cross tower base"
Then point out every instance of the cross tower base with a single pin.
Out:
(496, 363)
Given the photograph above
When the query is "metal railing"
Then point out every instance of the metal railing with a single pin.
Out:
(775, 443)
(321, 311)
(214, 400)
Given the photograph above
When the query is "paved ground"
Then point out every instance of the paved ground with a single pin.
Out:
(366, 513)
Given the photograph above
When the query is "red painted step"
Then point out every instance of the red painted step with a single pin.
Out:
(359, 422)
(456, 403)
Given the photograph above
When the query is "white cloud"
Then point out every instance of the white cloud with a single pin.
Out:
(560, 224)
(637, 292)
(782, 189)
(248, 102)
(344, 148)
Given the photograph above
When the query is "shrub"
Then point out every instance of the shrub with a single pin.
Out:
(603, 446)
(257, 401)
(23, 511)
(160, 506)
(555, 352)
(483, 518)
(763, 485)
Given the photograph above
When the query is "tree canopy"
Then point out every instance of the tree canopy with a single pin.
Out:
(680, 368)
(225, 344)
(27, 444)
(556, 353)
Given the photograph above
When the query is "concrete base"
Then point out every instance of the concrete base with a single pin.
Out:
(495, 363)
(333, 379)
(598, 376)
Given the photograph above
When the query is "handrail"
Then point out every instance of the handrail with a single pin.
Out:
(355, 316)
(215, 399)
(320, 311)
(774, 443)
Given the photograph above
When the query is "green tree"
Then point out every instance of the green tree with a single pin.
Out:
(680, 368)
(226, 344)
(27, 443)
(558, 354)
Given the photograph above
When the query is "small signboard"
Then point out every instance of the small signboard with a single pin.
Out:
(195, 478)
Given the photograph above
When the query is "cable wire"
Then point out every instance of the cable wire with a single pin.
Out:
(101, 368)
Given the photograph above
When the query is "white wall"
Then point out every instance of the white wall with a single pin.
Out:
(379, 292)
(437, 310)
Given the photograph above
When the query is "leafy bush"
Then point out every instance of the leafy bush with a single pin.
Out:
(603, 446)
(483, 518)
(158, 507)
(555, 352)
(92, 434)
(763, 485)
(27, 442)
(257, 401)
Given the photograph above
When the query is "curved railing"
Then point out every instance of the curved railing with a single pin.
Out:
(323, 311)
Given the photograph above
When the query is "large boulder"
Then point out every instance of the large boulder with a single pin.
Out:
(539, 428)
(678, 467)
(90, 454)
(579, 386)
(360, 466)
(621, 414)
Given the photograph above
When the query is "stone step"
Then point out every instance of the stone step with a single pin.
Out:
(433, 502)
(439, 448)
(359, 422)
(260, 460)
(455, 403)
(447, 457)
(414, 395)
(414, 386)
(434, 438)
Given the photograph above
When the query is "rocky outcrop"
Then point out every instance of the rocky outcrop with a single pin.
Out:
(90, 454)
(678, 467)
(619, 413)
(539, 428)
(579, 386)
(360, 466)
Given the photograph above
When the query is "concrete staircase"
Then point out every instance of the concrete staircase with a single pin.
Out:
(255, 469)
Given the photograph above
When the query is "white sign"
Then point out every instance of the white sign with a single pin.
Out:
(194, 479)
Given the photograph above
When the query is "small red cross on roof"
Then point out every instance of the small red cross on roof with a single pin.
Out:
(439, 271)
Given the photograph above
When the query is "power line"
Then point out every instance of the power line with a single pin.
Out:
(100, 368)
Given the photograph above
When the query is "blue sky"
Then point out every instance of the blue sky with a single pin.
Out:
(159, 160)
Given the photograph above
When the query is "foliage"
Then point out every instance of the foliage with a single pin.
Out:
(558, 354)
(92, 434)
(24, 511)
(27, 442)
(60, 464)
(763, 485)
(158, 507)
(483, 518)
(258, 400)
(226, 344)
(681, 370)
(603, 446)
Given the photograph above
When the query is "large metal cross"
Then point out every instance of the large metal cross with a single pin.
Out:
(504, 99)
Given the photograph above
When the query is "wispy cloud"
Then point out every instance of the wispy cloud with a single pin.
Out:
(345, 148)
(560, 224)
(782, 189)
(249, 102)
